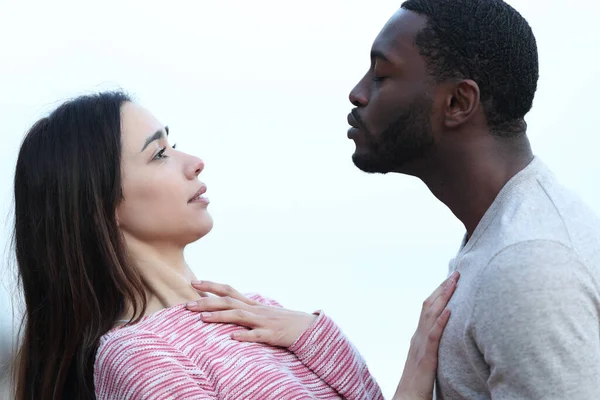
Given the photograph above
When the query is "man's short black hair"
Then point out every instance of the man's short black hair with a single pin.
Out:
(489, 42)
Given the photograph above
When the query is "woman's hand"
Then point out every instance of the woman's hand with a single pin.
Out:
(421, 364)
(272, 325)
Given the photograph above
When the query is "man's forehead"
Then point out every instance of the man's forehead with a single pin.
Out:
(398, 35)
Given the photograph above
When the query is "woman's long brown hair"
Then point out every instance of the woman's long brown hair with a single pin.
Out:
(73, 268)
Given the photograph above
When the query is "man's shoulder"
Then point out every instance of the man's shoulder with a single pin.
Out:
(536, 266)
(544, 214)
(533, 285)
(531, 257)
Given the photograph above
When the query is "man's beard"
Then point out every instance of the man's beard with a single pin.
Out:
(406, 139)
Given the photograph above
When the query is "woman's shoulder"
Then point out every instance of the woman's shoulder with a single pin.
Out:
(154, 328)
(130, 341)
(166, 330)
(124, 350)
(136, 345)
(139, 355)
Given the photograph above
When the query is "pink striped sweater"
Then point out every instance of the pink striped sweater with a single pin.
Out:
(173, 354)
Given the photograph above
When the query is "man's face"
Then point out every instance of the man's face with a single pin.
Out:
(391, 124)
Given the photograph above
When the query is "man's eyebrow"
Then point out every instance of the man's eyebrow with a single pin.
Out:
(160, 134)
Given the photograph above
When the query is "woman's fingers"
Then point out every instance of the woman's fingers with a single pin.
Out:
(438, 291)
(429, 357)
(217, 304)
(419, 371)
(435, 334)
(238, 317)
(435, 304)
(255, 335)
(442, 300)
(222, 290)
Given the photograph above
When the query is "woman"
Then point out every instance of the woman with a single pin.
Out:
(104, 208)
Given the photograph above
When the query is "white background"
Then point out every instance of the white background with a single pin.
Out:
(259, 90)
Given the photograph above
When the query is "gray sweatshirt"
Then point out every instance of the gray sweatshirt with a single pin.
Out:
(525, 320)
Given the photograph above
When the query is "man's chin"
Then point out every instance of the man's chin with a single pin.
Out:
(370, 164)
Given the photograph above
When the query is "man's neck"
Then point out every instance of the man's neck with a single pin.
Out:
(468, 178)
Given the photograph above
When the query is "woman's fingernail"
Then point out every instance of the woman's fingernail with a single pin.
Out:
(196, 283)
(192, 304)
(206, 315)
(447, 282)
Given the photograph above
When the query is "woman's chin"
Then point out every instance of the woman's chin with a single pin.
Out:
(203, 228)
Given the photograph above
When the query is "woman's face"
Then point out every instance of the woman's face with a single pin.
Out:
(163, 203)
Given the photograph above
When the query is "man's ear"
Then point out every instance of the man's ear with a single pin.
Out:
(462, 103)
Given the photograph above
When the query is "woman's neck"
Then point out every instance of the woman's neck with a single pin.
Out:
(165, 274)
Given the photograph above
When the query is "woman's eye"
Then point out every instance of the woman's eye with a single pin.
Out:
(160, 154)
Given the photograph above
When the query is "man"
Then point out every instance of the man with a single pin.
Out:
(444, 100)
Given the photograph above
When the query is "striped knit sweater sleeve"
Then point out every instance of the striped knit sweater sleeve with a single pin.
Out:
(325, 350)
